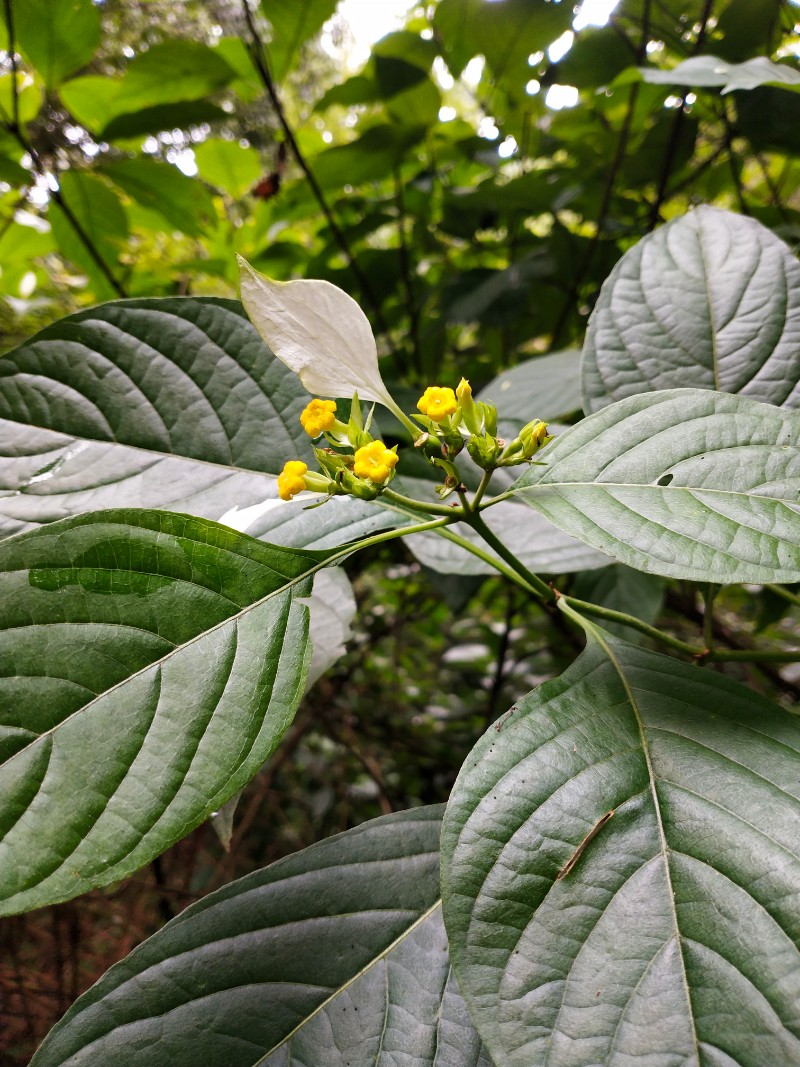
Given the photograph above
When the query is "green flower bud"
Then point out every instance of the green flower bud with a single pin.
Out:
(470, 412)
(484, 451)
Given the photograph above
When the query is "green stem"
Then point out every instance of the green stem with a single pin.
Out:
(497, 564)
(754, 655)
(482, 487)
(542, 589)
(574, 607)
(610, 615)
(386, 535)
(421, 506)
(778, 590)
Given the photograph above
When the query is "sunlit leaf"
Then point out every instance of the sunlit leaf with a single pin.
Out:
(57, 36)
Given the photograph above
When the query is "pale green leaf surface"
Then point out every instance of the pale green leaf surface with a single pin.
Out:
(674, 940)
(711, 300)
(686, 483)
(703, 72)
(318, 331)
(333, 956)
(128, 718)
(165, 403)
(176, 376)
(546, 388)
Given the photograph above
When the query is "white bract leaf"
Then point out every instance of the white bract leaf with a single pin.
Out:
(319, 332)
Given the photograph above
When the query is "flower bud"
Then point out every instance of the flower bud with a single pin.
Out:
(470, 412)
(531, 438)
(484, 451)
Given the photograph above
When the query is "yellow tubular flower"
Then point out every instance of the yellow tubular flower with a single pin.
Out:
(318, 416)
(291, 480)
(437, 403)
(376, 462)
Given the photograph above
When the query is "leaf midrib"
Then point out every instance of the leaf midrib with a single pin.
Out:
(665, 489)
(597, 634)
(354, 978)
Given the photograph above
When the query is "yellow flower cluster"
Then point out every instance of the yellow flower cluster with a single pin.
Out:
(376, 462)
(291, 480)
(318, 416)
(437, 403)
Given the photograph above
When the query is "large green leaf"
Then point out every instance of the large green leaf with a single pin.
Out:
(150, 664)
(505, 33)
(57, 36)
(674, 940)
(547, 388)
(711, 300)
(167, 403)
(293, 23)
(183, 202)
(687, 483)
(103, 224)
(171, 377)
(334, 956)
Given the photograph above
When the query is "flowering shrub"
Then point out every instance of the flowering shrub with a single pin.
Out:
(613, 878)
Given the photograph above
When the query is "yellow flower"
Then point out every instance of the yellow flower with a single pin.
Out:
(376, 462)
(318, 416)
(437, 403)
(291, 480)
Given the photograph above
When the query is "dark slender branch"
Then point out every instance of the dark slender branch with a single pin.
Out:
(408, 287)
(774, 194)
(608, 190)
(15, 129)
(160, 878)
(677, 128)
(605, 203)
(258, 52)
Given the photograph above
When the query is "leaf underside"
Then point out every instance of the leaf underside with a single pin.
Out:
(674, 941)
(686, 483)
(711, 301)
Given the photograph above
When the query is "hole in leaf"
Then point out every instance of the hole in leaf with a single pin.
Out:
(665, 479)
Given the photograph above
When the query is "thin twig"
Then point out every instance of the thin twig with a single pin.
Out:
(408, 286)
(608, 191)
(258, 52)
(677, 127)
